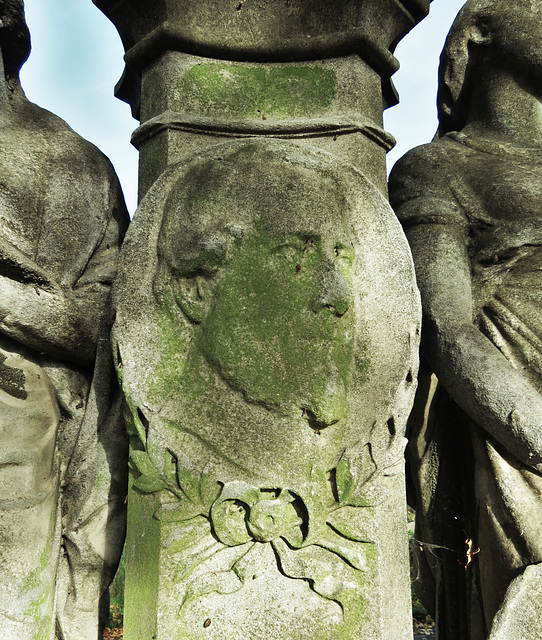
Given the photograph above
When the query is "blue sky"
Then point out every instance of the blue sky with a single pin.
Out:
(76, 61)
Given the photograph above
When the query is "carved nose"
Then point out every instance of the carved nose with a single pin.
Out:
(334, 292)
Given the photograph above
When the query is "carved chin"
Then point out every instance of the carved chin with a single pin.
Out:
(321, 400)
(310, 384)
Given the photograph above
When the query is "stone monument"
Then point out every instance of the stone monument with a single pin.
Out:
(267, 322)
(470, 205)
(62, 452)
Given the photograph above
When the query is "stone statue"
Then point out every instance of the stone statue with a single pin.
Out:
(470, 205)
(62, 217)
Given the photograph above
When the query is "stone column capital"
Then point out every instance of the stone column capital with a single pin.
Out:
(260, 31)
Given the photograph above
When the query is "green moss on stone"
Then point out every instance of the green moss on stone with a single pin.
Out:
(257, 92)
(143, 550)
(274, 330)
(172, 345)
(41, 609)
(268, 331)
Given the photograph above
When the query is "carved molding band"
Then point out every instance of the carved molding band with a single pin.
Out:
(300, 128)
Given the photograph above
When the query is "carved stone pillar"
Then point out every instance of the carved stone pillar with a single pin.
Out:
(267, 322)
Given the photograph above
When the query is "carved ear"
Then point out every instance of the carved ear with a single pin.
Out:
(480, 32)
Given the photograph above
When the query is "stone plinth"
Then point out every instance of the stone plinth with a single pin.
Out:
(267, 324)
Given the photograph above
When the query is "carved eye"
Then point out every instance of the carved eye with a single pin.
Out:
(205, 257)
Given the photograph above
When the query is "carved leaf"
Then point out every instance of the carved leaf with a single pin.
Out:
(223, 582)
(355, 553)
(209, 488)
(327, 574)
(353, 473)
(177, 512)
(134, 424)
(194, 544)
(188, 477)
(223, 579)
(354, 523)
(151, 479)
(149, 485)
(191, 556)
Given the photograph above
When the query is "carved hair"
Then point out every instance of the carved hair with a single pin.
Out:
(14, 36)
(454, 85)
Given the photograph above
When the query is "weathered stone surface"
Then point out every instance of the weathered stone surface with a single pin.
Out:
(254, 30)
(519, 617)
(470, 204)
(266, 336)
(61, 449)
(314, 71)
(266, 323)
(189, 102)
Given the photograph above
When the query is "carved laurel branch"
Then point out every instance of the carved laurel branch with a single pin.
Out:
(195, 491)
(327, 561)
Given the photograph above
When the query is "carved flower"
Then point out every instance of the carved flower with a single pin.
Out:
(242, 513)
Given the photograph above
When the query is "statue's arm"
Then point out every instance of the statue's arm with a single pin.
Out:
(61, 315)
(477, 376)
(52, 320)
(15, 265)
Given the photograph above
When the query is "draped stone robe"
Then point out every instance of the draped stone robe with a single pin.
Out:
(467, 484)
(62, 218)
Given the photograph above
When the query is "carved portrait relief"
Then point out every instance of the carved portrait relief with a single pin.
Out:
(258, 334)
